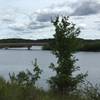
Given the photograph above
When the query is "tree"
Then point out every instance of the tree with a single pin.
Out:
(27, 78)
(65, 44)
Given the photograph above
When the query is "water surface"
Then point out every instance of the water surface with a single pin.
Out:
(15, 60)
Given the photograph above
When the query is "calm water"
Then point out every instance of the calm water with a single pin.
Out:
(15, 60)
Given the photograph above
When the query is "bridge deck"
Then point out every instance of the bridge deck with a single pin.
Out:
(9, 45)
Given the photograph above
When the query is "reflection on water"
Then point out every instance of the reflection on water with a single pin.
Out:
(18, 60)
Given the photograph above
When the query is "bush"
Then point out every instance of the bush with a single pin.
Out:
(65, 44)
(20, 86)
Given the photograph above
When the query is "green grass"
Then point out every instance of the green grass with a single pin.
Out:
(13, 91)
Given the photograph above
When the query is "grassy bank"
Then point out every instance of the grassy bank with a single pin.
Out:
(13, 91)
(23, 87)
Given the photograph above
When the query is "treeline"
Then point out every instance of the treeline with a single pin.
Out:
(89, 45)
(18, 40)
(83, 45)
(14, 40)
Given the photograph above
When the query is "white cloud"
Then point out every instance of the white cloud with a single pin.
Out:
(84, 13)
(87, 7)
(76, 8)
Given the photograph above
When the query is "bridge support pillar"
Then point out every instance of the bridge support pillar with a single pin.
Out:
(29, 47)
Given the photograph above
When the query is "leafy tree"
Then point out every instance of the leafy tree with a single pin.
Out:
(65, 44)
(27, 78)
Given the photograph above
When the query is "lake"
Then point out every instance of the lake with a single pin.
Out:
(15, 60)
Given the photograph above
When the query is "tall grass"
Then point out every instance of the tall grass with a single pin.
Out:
(14, 91)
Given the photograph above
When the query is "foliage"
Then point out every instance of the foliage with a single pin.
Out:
(91, 92)
(84, 45)
(20, 86)
(17, 88)
(65, 44)
(12, 91)
(26, 78)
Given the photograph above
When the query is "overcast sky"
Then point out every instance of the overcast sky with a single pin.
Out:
(31, 18)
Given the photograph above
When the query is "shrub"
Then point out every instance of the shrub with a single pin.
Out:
(65, 44)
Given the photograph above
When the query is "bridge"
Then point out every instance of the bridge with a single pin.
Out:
(20, 45)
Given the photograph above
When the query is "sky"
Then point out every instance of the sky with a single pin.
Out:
(31, 19)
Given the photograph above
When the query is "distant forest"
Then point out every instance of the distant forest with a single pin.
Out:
(84, 44)
(18, 40)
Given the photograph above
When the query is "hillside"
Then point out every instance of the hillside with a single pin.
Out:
(84, 45)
